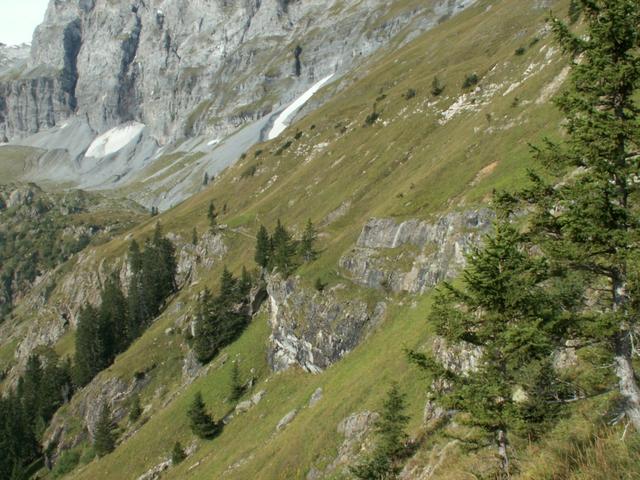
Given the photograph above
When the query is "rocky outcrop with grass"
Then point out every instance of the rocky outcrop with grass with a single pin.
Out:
(314, 329)
(414, 255)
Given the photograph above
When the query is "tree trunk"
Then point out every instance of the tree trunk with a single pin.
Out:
(626, 378)
(503, 445)
(627, 381)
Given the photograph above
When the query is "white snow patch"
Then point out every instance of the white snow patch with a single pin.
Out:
(213, 142)
(115, 140)
(280, 124)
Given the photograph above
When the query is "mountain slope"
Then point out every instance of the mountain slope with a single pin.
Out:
(383, 168)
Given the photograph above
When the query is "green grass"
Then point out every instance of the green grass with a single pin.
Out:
(406, 165)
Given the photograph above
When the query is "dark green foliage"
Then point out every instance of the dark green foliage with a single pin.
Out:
(222, 318)
(409, 94)
(371, 118)
(320, 285)
(283, 147)
(39, 234)
(589, 222)
(437, 88)
(263, 247)
(470, 80)
(152, 281)
(104, 439)
(391, 445)
(205, 180)
(283, 250)
(105, 332)
(154, 211)
(90, 351)
(503, 308)
(575, 9)
(135, 410)
(200, 421)
(67, 462)
(26, 411)
(250, 171)
(307, 244)
(177, 454)
(194, 236)
(212, 215)
(235, 383)
(520, 51)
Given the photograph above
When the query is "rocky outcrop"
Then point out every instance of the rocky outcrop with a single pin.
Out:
(193, 259)
(414, 255)
(65, 433)
(313, 329)
(355, 429)
(186, 67)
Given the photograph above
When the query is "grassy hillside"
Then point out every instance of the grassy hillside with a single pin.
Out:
(384, 146)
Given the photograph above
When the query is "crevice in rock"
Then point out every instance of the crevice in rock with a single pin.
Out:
(128, 72)
(72, 42)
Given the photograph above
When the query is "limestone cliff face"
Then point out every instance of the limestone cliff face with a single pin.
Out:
(314, 330)
(186, 67)
(414, 255)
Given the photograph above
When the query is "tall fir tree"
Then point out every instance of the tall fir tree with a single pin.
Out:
(263, 247)
(104, 440)
(502, 308)
(307, 243)
(283, 253)
(114, 314)
(177, 454)
(200, 421)
(212, 215)
(385, 460)
(235, 383)
(89, 357)
(589, 222)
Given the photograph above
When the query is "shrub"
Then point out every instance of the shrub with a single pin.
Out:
(520, 51)
(372, 118)
(409, 94)
(66, 463)
(470, 80)
(436, 87)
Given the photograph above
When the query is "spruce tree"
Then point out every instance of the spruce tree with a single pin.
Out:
(390, 447)
(283, 252)
(212, 215)
(114, 317)
(104, 441)
(307, 244)
(235, 383)
(589, 222)
(136, 409)
(194, 236)
(245, 283)
(89, 357)
(200, 421)
(177, 454)
(263, 247)
(502, 308)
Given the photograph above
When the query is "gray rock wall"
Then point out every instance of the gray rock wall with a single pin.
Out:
(313, 329)
(414, 255)
(186, 67)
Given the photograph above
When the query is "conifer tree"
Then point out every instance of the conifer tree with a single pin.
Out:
(384, 462)
(89, 357)
(263, 247)
(177, 454)
(228, 287)
(245, 283)
(200, 421)
(502, 308)
(284, 249)
(589, 222)
(307, 244)
(194, 236)
(235, 383)
(114, 316)
(136, 409)
(212, 215)
(104, 441)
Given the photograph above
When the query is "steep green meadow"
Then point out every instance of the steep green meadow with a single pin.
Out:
(424, 156)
